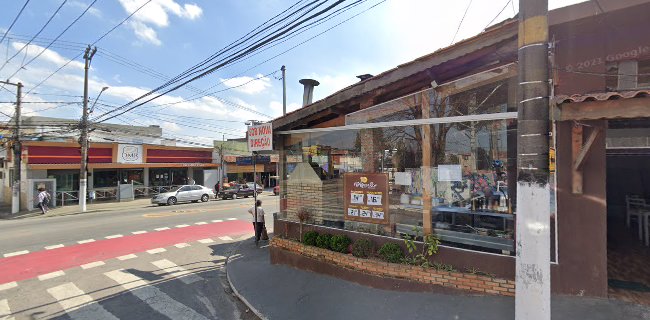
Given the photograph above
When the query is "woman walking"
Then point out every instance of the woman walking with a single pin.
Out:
(43, 200)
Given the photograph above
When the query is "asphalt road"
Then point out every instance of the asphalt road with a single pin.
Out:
(141, 263)
(34, 234)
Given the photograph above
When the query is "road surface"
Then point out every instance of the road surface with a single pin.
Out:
(143, 263)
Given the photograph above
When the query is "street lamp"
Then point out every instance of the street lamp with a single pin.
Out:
(94, 103)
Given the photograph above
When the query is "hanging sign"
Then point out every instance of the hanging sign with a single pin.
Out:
(366, 197)
(260, 137)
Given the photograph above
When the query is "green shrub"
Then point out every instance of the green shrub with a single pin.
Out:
(391, 252)
(310, 238)
(340, 243)
(362, 248)
(323, 241)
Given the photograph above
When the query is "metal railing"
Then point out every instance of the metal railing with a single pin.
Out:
(64, 198)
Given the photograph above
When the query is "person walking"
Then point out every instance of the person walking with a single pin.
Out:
(258, 225)
(43, 200)
(217, 187)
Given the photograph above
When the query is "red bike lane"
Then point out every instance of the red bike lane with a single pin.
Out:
(30, 265)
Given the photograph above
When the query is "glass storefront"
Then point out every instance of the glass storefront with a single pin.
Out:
(449, 164)
(168, 177)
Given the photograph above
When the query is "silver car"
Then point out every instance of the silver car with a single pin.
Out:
(187, 193)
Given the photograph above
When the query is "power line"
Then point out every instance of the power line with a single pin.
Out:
(55, 39)
(79, 55)
(498, 14)
(39, 32)
(14, 22)
(461, 22)
(214, 66)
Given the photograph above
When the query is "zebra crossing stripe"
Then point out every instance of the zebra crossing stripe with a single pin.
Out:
(51, 275)
(177, 272)
(206, 241)
(226, 238)
(154, 297)
(72, 299)
(8, 285)
(4, 310)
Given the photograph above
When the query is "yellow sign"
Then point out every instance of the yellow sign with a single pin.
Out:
(551, 160)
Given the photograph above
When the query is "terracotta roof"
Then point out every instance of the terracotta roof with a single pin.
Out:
(602, 96)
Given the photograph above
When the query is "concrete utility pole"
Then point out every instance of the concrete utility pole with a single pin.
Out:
(15, 188)
(83, 140)
(284, 91)
(533, 274)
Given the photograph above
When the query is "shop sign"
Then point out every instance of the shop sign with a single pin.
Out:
(129, 153)
(247, 161)
(260, 137)
(366, 197)
(275, 158)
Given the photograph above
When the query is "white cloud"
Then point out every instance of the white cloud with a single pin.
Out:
(144, 32)
(276, 108)
(330, 84)
(33, 50)
(169, 126)
(81, 5)
(156, 14)
(248, 85)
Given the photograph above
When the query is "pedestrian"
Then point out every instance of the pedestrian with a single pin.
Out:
(217, 187)
(258, 225)
(43, 200)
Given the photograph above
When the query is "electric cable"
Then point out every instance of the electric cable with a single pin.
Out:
(96, 41)
(54, 40)
(39, 32)
(461, 22)
(14, 21)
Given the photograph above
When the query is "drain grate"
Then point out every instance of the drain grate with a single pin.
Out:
(628, 285)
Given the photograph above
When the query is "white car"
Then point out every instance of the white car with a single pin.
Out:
(187, 193)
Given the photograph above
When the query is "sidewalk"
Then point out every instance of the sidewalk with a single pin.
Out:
(281, 292)
(5, 211)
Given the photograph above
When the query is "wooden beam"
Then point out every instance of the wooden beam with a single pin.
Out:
(576, 146)
(478, 79)
(609, 109)
(580, 160)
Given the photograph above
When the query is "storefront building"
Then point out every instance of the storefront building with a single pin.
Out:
(432, 145)
(149, 168)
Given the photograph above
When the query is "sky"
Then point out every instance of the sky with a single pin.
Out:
(166, 37)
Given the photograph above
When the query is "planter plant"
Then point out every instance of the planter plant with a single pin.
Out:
(310, 238)
(303, 215)
(391, 252)
(362, 248)
(340, 243)
(323, 241)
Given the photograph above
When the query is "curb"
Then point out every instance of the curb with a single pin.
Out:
(234, 289)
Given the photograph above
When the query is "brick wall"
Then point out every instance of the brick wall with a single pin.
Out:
(307, 195)
(457, 280)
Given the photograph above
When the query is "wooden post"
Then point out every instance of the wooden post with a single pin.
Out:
(576, 145)
(427, 169)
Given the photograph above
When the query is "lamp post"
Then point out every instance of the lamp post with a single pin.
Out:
(97, 98)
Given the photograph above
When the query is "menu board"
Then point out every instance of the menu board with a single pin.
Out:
(366, 197)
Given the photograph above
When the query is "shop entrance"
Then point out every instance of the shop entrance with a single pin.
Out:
(628, 209)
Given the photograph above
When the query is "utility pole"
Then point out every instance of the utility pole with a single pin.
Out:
(83, 140)
(15, 188)
(533, 274)
(284, 91)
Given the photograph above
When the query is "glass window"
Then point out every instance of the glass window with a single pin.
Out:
(185, 188)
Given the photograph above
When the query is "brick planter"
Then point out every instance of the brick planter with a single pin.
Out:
(457, 280)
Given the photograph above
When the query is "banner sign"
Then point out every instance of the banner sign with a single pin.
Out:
(366, 197)
(260, 137)
(129, 153)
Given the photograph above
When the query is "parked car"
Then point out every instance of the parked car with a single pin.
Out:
(276, 190)
(187, 193)
(259, 188)
(236, 191)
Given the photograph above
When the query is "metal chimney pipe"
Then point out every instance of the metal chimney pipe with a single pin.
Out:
(308, 94)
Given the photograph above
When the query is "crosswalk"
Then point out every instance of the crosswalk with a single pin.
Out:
(179, 284)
